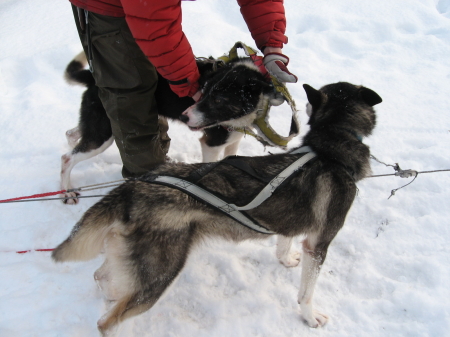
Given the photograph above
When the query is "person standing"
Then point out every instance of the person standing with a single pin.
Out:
(127, 42)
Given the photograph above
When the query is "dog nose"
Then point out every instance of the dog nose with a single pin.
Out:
(184, 118)
(185, 115)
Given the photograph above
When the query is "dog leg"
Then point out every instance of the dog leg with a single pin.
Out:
(69, 160)
(232, 143)
(113, 277)
(108, 323)
(73, 136)
(101, 277)
(313, 256)
(141, 267)
(284, 255)
(229, 148)
(115, 280)
(210, 153)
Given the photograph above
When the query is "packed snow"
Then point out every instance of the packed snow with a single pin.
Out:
(387, 271)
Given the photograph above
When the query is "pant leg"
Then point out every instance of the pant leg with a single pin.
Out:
(127, 83)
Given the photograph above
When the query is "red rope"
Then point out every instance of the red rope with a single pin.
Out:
(35, 250)
(35, 196)
(30, 197)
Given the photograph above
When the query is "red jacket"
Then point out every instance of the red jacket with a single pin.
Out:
(156, 26)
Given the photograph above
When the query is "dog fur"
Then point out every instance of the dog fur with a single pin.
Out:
(147, 230)
(232, 95)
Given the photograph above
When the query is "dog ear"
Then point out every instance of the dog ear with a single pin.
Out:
(314, 96)
(369, 96)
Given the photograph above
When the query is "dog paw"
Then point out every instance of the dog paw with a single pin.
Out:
(106, 328)
(317, 319)
(70, 198)
(290, 260)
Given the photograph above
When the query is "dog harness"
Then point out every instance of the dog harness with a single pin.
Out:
(233, 211)
(267, 135)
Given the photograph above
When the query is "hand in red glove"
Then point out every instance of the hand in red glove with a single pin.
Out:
(276, 64)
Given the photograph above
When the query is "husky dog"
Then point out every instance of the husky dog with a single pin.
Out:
(232, 95)
(148, 230)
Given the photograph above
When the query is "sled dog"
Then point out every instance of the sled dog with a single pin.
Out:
(232, 95)
(147, 230)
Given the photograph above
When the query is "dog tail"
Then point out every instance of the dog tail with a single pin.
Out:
(86, 240)
(76, 73)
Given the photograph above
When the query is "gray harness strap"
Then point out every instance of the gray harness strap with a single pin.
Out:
(267, 191)
(212, 200)
(231, 209)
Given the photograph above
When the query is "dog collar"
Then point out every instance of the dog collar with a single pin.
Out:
(359, 137)
(233, 211)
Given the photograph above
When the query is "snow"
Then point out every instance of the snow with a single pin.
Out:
(387, 271)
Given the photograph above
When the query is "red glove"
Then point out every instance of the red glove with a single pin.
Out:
(275, 64)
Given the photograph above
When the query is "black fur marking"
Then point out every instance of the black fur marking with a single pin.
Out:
(215, 136)
(232, 91)
(94, 124)
(75, 71)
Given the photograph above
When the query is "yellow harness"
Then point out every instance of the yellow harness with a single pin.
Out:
(265, 133)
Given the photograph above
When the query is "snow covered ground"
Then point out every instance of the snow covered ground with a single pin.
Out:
(387, 271)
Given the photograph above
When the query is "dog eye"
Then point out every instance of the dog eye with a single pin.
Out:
(220, 100)
(235, 109)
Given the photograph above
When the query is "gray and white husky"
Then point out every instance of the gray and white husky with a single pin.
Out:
(147, 231)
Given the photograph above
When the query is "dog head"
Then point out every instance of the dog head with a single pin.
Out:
(231, 96)
(342, 104)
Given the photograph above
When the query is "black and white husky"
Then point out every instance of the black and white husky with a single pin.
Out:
(232, 95)
(147, 230)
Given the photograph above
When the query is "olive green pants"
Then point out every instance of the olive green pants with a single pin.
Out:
(127, 83)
